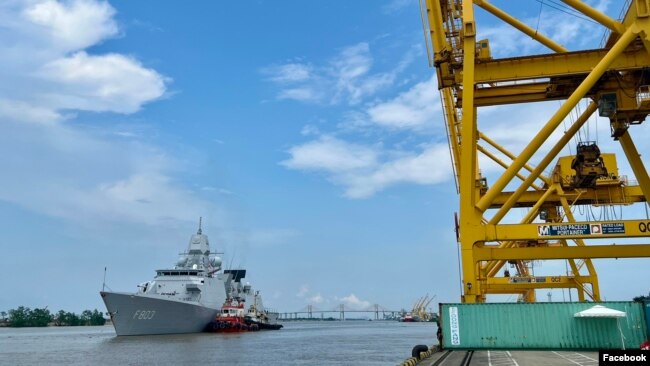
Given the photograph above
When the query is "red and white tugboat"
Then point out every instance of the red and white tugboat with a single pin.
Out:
(231, 319)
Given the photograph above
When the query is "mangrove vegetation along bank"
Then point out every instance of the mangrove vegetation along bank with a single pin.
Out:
(41, 317)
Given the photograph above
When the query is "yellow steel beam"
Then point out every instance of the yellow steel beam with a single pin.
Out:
(596, 15)
(535, 282)
(634, 158)
(553, 65)
(534, 34)
(557, 89)
(600, 195)
(488, 253)
(502, 163)
(451, 123)
(470, 218)
(493, 267)
(568, 135)
(595, 294)
(510, 291)
(630, 18)
(558, 117)
(514, 93)
(437, 32)
(507, 153)
(577, 230)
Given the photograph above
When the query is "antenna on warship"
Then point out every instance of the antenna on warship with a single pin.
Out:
(104, 283)
(199, 232)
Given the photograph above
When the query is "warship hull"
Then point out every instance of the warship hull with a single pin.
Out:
(135, 314)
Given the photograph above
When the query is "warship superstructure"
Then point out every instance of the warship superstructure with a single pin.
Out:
(183, 299)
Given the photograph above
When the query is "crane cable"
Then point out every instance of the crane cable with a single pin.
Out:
(565, 9)
(426, 38)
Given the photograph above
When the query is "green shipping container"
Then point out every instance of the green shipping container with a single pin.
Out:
(647, 317)
(540, 326)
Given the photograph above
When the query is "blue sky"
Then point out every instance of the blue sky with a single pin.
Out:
(308, 135)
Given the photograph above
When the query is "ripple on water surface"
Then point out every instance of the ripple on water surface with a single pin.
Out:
(298, 343)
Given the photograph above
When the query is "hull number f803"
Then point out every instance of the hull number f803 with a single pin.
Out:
(144, 314)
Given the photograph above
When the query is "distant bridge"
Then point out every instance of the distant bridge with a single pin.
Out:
(309, 311)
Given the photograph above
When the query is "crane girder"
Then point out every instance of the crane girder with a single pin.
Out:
(624, 87)
(507, 284)
(492, 252)
(556, 65)
(614, 78)
(621, 195)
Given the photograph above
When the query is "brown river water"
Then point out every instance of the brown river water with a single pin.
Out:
(298, 343)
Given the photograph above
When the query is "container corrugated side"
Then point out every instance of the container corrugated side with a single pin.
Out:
(647, 316)
(539, 326)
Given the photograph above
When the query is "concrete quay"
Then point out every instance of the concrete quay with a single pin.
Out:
(511, 358)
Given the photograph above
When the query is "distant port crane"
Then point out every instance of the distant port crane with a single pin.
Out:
(615, 81)
(420, 308)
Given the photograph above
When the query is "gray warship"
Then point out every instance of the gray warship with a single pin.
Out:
(179, 300)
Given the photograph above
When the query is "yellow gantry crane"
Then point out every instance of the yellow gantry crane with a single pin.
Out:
(616, 81)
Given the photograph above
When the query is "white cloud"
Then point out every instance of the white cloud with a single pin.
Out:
(431, 166)
(60, 23)
(304, 94)
(415, 108)
(101, 83)
(18, 110)
(302, 291)
(58, 75)
(353, 302)
(291, 72)
(365, 170)
(331, 154)
(309, 130)
(345, 78)
(66, 173)
(316, 299)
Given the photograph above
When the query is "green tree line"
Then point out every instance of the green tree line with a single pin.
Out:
(26, 317)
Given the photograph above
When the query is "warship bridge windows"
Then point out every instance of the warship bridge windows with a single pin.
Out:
(178, 273)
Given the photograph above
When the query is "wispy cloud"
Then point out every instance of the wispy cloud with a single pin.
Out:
(416, 108)
(396, 5)
(331, 154)
(364, 170)
(67, 173)
(288, 73)
(59, 75)
(64, 170)
(316, 299)
(353, 302)
(346, 78)
(303, 94)
(302, 291)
